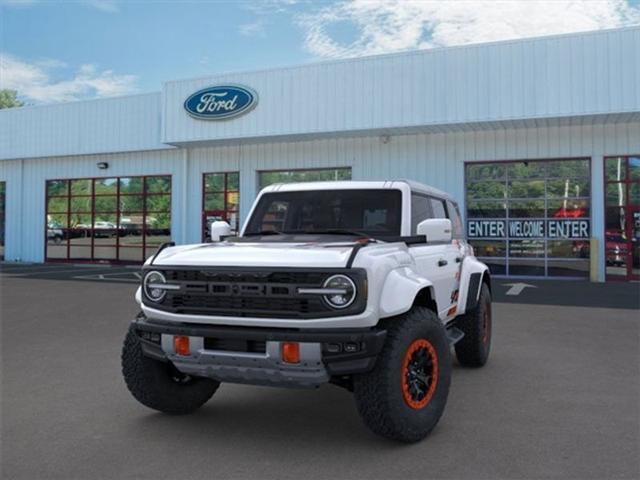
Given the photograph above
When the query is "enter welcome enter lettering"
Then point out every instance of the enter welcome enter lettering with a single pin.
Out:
(528, 228)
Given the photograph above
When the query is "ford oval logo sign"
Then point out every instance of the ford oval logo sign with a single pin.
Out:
(221, 102)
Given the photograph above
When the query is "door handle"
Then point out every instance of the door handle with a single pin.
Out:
(458, 259)
(442, 262)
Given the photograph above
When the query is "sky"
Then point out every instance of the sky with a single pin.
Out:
(57, 51)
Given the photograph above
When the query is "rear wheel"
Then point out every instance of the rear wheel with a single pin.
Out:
(404, 396)
(159, 385)
(473, 350)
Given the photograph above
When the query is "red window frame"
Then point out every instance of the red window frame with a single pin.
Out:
(226, 210)
(67, 230)
(628, 208)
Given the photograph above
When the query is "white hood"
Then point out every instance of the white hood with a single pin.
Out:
(266, 254)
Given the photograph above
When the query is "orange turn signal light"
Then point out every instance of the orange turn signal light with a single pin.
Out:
(291, 352)
(181, 345)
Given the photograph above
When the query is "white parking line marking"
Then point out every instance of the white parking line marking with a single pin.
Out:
(111, 277)
(112, 280)
(517, 288)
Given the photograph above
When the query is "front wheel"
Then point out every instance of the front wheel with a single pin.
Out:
(159, 385)
(404, 396)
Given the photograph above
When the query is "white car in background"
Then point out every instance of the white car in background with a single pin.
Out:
(104, 229)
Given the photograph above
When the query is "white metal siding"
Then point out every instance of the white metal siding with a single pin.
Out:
(554, 77)
(97, 126)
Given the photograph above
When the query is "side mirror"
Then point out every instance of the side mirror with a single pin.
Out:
(219, 230)
(435, 229)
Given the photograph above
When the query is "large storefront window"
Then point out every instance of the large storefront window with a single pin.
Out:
(530, 218)
(121, 219)
(267, 178)
(622, 217)
(220, 201)
(2, 216)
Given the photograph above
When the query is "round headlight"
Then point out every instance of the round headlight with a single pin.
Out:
(345, 291)
(151, 280)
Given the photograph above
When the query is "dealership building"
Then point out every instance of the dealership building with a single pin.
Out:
(537, 139)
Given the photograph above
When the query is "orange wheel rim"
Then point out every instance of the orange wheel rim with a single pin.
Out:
(419, 374)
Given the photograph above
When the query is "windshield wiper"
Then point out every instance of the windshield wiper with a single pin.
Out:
(262, 232)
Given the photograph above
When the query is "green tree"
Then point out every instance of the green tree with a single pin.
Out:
(9, 99)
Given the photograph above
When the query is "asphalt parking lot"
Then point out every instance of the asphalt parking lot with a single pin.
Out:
(560, 397)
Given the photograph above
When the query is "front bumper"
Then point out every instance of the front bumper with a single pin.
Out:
(323, 353)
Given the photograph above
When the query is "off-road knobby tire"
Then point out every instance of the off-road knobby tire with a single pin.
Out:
(378, 393)
(151, 383)
(473, 350)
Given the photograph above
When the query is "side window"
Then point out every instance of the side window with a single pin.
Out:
(456, 221)
(438, 209)
(420, 210)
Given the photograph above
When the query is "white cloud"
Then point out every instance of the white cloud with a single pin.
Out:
(34, 82)
(252, 29)
(393, 25)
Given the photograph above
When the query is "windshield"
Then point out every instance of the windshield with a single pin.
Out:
(369, 212)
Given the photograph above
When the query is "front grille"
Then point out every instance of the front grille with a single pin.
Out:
(245, 306)
(254, 293)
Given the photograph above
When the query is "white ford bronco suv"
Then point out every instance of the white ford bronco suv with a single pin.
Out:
(365, 285)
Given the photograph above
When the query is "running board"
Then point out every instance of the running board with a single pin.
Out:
(454, 335)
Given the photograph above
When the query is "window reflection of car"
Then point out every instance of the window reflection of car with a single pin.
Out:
(616, 246)
(79, 230)
(104, 229)
(129, 226)
(54, 233)
(571, 212)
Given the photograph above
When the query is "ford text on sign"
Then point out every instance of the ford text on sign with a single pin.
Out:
(561, 228)
(221, 102)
